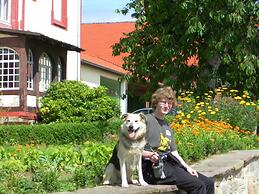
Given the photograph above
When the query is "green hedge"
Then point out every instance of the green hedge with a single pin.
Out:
(57, 133)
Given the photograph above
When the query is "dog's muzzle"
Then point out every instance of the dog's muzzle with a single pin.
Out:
(131, 129)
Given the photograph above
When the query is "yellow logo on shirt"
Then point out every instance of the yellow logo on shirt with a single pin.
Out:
(164, 143)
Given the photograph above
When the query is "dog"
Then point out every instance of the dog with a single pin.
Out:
(127, 154)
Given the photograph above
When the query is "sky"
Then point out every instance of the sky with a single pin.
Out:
(98, 11)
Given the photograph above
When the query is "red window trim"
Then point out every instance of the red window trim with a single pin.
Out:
(63, 22)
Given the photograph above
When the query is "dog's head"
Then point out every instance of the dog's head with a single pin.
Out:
(134, 125)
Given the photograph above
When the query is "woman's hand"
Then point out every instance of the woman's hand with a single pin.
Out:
(154, 157)
(192, 171)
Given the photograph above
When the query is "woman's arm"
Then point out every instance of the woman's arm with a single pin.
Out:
(188, 168)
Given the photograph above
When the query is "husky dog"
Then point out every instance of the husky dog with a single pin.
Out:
(127, 154)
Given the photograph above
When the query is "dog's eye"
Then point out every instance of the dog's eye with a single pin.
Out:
(136, 121)
(128, 121)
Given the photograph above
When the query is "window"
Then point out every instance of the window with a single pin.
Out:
(45, 72)
(5, 10)
(30, 70)
(113, 88)
(59, 13)
(9, 69)
(59, 70)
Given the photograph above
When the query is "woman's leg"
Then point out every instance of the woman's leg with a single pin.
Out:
(189, 183)
(209, 182)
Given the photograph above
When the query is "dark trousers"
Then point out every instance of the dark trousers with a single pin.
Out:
(176, 174)
(192, 184)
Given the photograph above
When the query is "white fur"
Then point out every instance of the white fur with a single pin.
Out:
(129, 153)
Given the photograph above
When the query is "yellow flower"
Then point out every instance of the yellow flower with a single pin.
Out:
(213, 112)
(247, 104)
(237, 98)
(188, 116)
(183, 121)
(242, 102)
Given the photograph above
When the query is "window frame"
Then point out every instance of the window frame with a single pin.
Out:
(9, 69)
(113, 87)
(59, 69)
(45, 70)
(63, 22)
(5, 18)
(30, 64)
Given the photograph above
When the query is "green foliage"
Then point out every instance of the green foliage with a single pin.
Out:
(48, 178)
(223, 34)
(55, 133)
(72, 101)
(81, 177)
(55, 168)
(231, 111)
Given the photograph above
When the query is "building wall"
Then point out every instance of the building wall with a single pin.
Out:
(91, 76)
(37, 18)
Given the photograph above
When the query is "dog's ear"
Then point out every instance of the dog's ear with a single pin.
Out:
(142, 116)
(124, 116)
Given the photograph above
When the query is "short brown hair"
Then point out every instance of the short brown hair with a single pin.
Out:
(165, 92)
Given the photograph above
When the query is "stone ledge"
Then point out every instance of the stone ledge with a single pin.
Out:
(223, 165)
(218, 167)
(132, 189)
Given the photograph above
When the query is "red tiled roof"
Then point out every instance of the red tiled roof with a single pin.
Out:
(97, 41)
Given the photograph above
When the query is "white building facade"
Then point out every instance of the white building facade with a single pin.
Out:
(39, 44)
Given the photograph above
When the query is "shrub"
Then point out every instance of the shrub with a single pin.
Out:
(236, 114)
(73, 101)
(57, 133)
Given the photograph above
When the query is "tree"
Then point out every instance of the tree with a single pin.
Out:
(222, 34)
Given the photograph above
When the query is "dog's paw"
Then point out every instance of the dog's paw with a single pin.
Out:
(134, 181)
(143, 183)
(106, 182)
(124, 185)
